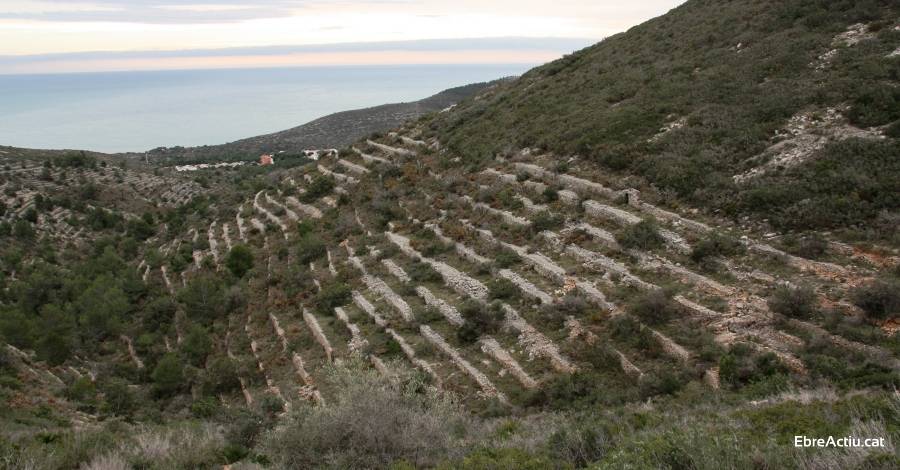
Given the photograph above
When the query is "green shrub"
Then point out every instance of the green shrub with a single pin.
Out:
(654, 307)
(168, 376)
(331, 296)
(740, 367)
(546, 221)
(423, 272)
(320, 186)
(239, 260)
(309, 248)
(879, 299)
(875, 105)
(502, 288)
(117, 397)
(799, 302)
(643, 235)
(483, 319)
(813, 246)
(715, 245)
(506, 258)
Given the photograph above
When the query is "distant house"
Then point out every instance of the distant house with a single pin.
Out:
(266, 160)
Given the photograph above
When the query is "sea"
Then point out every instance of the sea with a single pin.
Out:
(138, 111)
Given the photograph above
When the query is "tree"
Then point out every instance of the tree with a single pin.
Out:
(118, 398)
(55, 342)
(239, 260)
(168, 376)
(196, 345)
(203, 298)
(101, 308)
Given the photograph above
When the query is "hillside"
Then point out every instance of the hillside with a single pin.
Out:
(517, 282)
(778, 110)
(332, 131)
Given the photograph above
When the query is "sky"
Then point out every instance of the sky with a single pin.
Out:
(58, 36)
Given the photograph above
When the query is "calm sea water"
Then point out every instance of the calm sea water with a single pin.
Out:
(137, 111)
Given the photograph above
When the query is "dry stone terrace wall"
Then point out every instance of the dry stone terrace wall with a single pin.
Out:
(291, 214)
(489, 345)
(131, 352)
(400, 152)
(371, 159)
(360, 301)
(395, 270)
(526, 286)
(492, 348)
(357, 343)
(549, 269)
(213, 243)
(262, 210)
(309, 211)
(318, 334)
(450, 313)
(459, 282)
(463, 251)
(242, 231)
(411, 355)
(706, 284)
(506, 216)
(488, 389)
(597, 234)
(534, 342)
(353, 167)
(603, 211)
(578, 185)
(337, 176)
(381, 288)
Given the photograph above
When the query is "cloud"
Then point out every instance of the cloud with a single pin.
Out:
(149, 11)
(500, 50)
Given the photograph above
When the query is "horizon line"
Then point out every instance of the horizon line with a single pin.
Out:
(438, 51)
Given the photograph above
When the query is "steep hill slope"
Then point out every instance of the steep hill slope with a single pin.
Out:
(334, 130)
(778, 109)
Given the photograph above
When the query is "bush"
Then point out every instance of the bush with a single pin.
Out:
(506, 258)
(422, 272)
(875, 105)
(482, 319)
(319, 187)
(221, 376)
(715, 245)
(813, 246)
(168, 376)
(502, 288)
(331, 296)
(740, 367)
(546, 221)
(654, 307)
(580, 444)
(797, 302)
(879, 299)
(643, 235)
(309, 248)
(117, 397)
(239, 260)
(371, 423)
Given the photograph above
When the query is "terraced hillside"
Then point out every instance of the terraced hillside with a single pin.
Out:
(422, 300)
